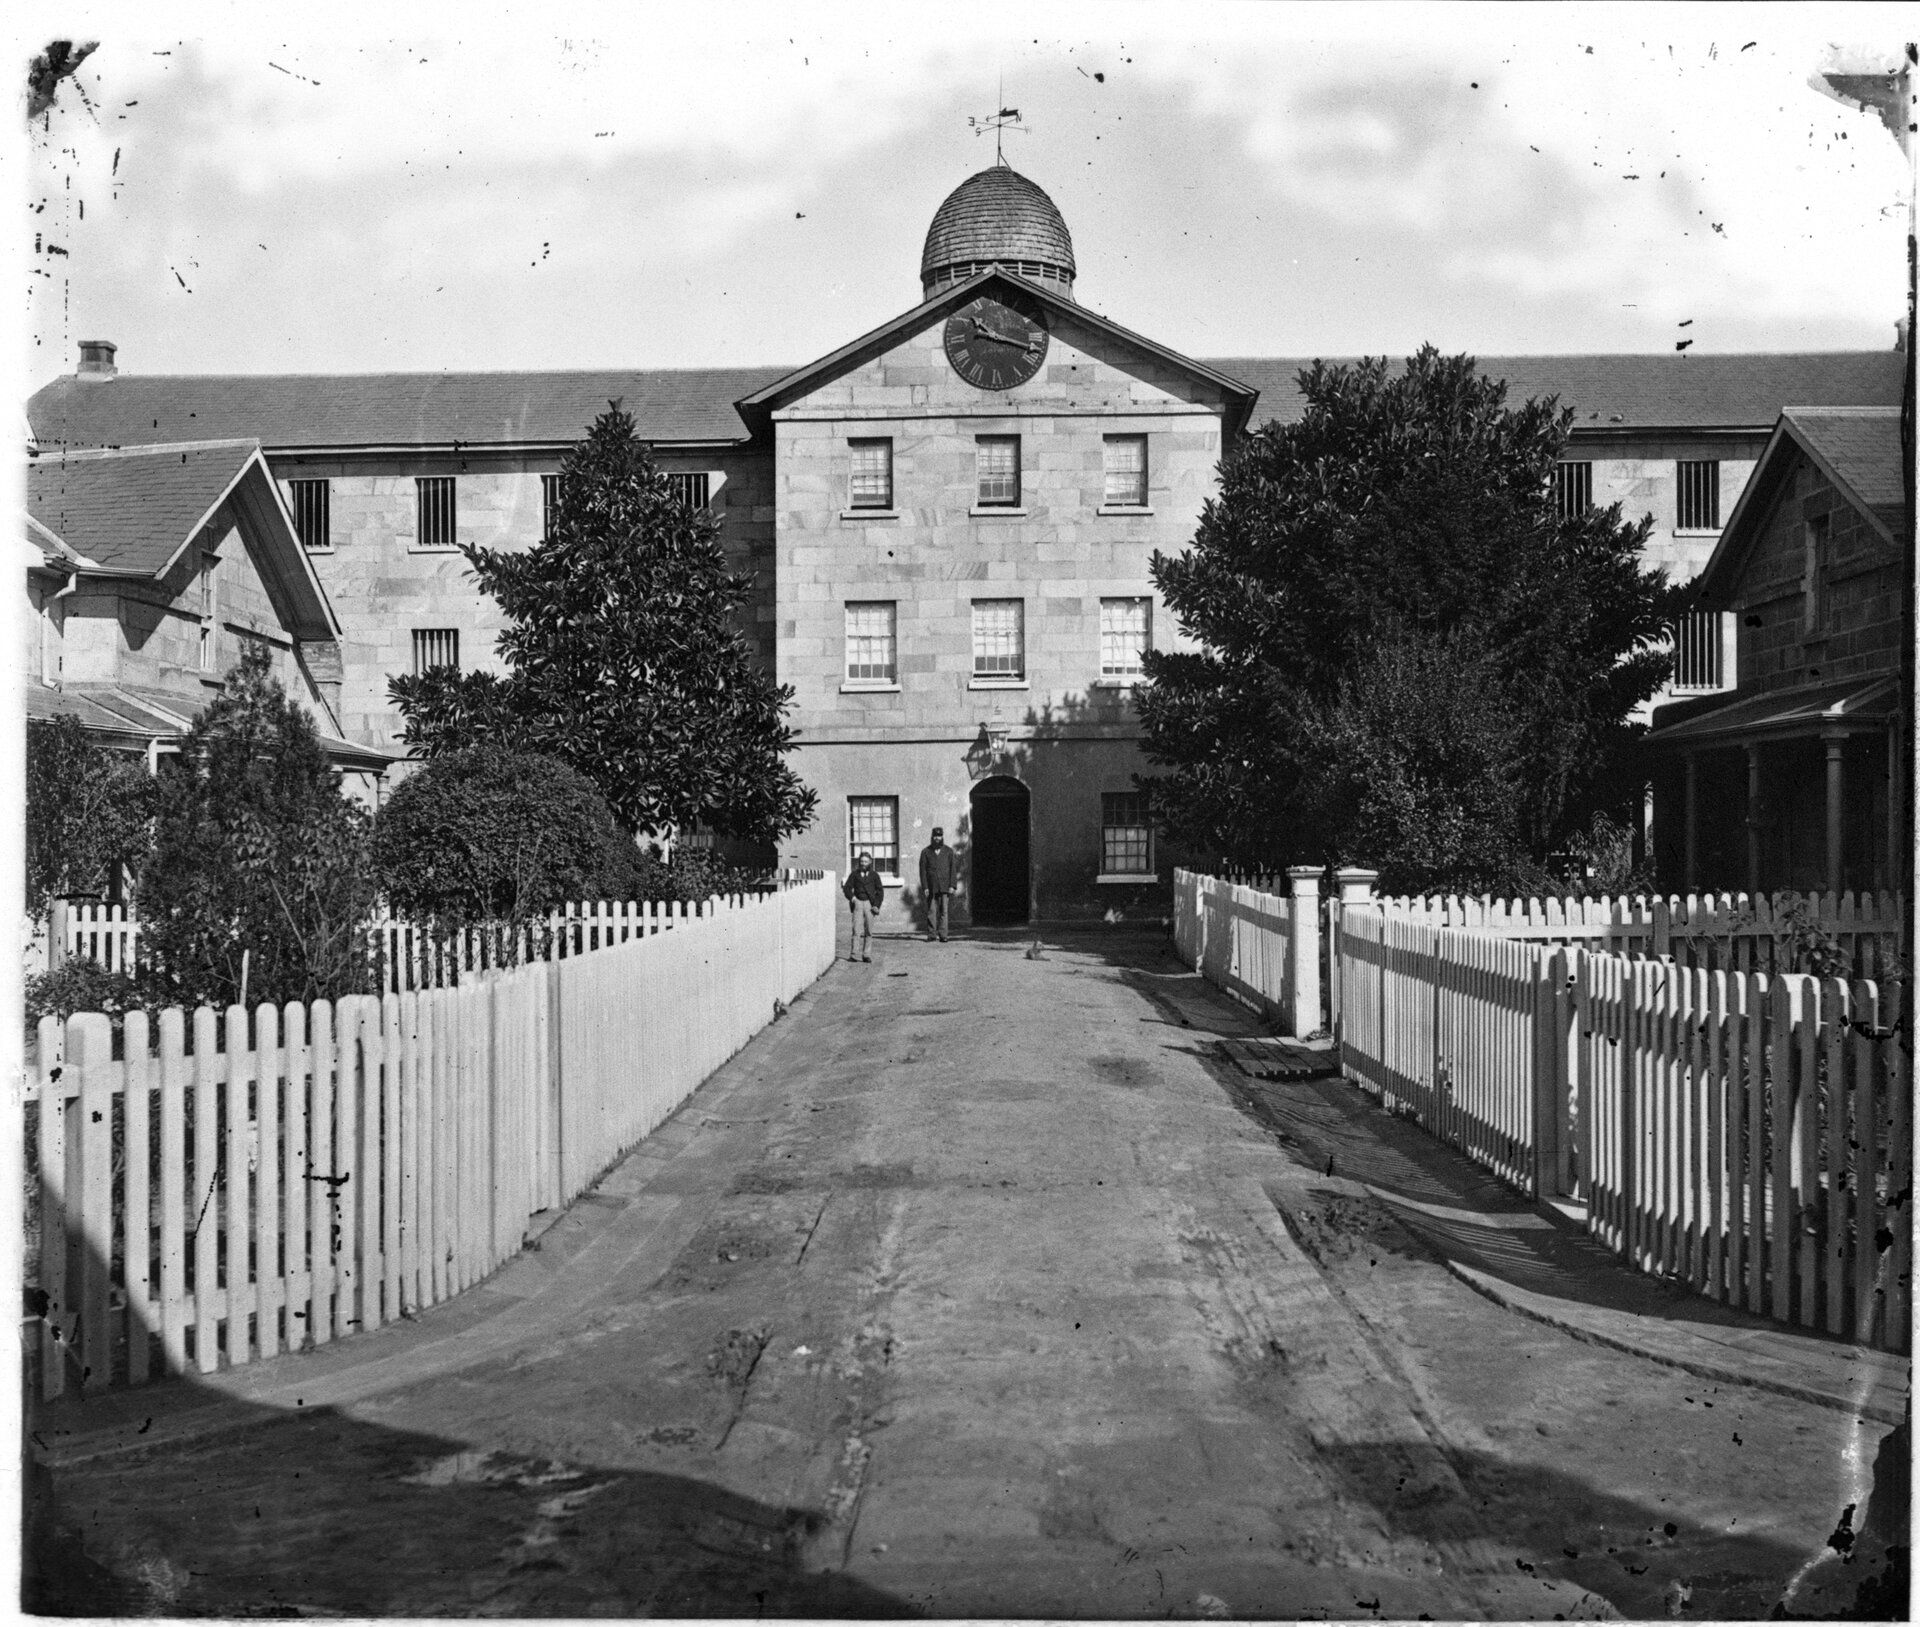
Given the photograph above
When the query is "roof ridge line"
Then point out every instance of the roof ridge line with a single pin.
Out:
(147, 448)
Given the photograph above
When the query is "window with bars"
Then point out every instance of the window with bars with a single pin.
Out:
(1126, 633)
(433, 525)
(870, 642)
(873, 828)
(1126, 840)
(1696, 651)
(549, 503)
(691, 487)
(1699, 496)
(870, 482)
(997, 463)
(435, 647)
(999, 638)
(312, 505)
(1126, 472)
(1572, 489)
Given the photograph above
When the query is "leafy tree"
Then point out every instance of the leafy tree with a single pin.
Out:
(1410, 509)
(625, 658)
(257, 857)
(493, 835)
(89, 811)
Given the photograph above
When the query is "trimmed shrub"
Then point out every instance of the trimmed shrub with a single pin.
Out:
(492, 835)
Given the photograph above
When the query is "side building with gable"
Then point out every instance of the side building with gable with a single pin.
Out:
(949, 522)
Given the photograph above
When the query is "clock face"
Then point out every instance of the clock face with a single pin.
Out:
(993, 346)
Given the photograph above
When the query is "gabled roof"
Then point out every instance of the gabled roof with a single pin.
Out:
(414, 411)
(1850, 703)
(1640, 393)
(132, 512)
(758, 407)
(130, 719)
(1857, 448)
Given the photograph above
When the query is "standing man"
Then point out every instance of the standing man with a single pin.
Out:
(866, 892)
(937, 870)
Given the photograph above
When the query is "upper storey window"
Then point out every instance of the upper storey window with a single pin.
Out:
(1126, 472)
(549, 503)
(1572, 489)
(434, 513)
(312, 502)
(997, 465)
(1698, 508)
(870, 484)
(690, 488)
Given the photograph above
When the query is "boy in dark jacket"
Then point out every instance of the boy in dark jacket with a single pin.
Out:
(865, 894)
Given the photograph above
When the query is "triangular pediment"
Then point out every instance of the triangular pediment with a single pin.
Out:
(1116, 345)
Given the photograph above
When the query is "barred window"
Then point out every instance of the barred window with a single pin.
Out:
(435, 647)
(1572, 489)
(997, 459)
(433, 512)
(1126, 472)
(549, 503)
(1126, 840)
(870, 642)
(690, 488)
(999, 638)
(312, 504)
(1696, 651)
(1699, 496)
(1126, 633)
(871, 483)
(873, 828)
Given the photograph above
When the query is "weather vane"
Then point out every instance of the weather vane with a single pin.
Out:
(1008, 118)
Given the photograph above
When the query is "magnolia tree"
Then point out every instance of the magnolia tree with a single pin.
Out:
(1411, 659)
(625, 658)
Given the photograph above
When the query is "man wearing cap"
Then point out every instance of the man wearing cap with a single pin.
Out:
(937, 870)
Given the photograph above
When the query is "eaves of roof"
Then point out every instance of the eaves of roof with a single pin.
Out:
(1718, 580)
(757, 409)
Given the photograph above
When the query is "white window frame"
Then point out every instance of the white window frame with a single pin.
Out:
(1124, 504)
(1113, 875)
(1116, 675)
(1006, 496)
(858, 641)
(856, 845)
(1706, 486)
(422, 485)
(209, 612)
(868, 503)
(990, 677)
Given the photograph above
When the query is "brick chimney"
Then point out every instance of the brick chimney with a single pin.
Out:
(96, 359)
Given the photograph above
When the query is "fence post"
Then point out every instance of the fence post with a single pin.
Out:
(1355, 887)
(1303, 927)
(57, 934)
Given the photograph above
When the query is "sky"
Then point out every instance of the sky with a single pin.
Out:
(343, 188)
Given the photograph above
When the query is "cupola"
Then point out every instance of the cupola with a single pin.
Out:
(997, 217)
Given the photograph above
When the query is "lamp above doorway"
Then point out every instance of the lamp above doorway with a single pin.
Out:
(988, 753)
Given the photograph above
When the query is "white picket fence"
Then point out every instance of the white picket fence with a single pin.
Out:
(107, 933)
(1249, 943)
(1745, 1134)
(294, 1175)
(1715, 932)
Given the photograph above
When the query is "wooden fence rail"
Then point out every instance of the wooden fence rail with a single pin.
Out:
(1240, 939)
(216, 1188)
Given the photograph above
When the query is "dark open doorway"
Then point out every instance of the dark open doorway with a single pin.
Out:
(1001, 872)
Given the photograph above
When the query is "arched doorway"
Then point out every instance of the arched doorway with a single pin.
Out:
(1001, 871)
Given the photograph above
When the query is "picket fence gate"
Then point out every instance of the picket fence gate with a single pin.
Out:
(295, 1175)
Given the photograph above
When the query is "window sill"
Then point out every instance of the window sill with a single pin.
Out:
(868, 686)
(997, 511)
(417, 548)
(1123, 508)
(1119, 683)
(869, 514)
(329, 548)
(1126, 878)
(997, 683)
(1697, 530)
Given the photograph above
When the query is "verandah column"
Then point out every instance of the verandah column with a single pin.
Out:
(1303, 927)
(1836, 811)
(1753, 819)
(1691, 881)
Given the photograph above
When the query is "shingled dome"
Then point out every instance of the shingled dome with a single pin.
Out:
(997, 217)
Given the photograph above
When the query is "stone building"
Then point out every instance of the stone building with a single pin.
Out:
(1794, 780)
(148, 570)
(949, 521)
